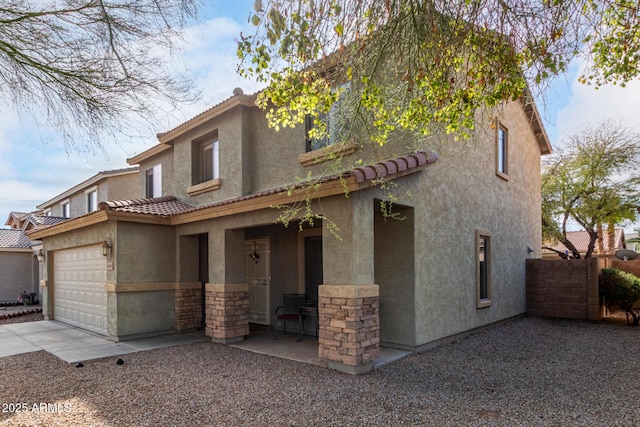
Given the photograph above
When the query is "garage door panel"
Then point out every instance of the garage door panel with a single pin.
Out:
(79, 288)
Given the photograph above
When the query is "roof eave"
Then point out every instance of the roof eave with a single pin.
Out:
(71, 225)
(238, 100)
(531, 110)
(157, 149)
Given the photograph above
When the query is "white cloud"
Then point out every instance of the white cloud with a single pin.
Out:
(588, 107)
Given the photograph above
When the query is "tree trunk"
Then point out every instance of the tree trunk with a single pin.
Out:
(600, 241)
(611, 238)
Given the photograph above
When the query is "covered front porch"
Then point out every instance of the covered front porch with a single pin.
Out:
(253, 264)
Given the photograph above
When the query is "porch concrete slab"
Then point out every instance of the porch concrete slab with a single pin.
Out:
(306, 350)
(76, 345)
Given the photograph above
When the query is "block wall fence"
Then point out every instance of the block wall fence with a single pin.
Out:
(568, 289)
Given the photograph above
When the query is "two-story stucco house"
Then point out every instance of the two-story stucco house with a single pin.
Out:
(203, 248)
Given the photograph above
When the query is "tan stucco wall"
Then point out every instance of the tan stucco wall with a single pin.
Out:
(165, 159)
(145, 253)
(122, 187)
(461, 193)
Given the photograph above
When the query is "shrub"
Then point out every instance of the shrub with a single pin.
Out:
(621, 291)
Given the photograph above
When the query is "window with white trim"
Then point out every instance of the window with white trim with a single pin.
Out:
(209, 161)
(502, 151)
(92, 200)
(66, 209)
(153, 181)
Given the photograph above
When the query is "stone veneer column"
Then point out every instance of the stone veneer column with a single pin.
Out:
(188, 306)
(349, 320)
(227, 311)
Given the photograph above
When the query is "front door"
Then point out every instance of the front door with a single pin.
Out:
(257, 273)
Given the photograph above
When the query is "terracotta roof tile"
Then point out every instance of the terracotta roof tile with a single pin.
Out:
(45, 219)
(14, 239)
(168, 205)
(580, 240)
(162, 206)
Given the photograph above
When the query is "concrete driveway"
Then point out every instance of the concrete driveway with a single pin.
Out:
(75, 345)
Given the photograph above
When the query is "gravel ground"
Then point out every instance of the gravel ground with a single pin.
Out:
(528, 372)
(33, 317)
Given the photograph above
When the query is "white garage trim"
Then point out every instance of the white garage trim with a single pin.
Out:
(79, 295)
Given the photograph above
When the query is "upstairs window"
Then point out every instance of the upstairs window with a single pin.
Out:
(205, 164)
(66, 209)
(209, 161)
(153, 182)
(334, 122)
(502, 151)
(92, 200)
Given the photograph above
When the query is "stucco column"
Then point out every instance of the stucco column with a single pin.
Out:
(348, 301)
(350, 258)
(227, 309)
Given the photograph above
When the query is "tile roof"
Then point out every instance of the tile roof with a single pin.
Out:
(14, 239)
(169, 205)
(38, 220)
(162, 206)
(580, 240)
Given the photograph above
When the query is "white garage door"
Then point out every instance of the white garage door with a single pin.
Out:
(79, 297)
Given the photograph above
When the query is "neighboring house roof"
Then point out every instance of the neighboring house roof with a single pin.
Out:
(580, 240)
(87, 183)
(17, 219)
(14, 239)
(169, 210)
(15, 216)
(36, 220)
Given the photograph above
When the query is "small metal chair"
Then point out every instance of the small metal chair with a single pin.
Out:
(291, 309)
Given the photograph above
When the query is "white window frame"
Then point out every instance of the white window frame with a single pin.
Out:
(91, 198)
(502, 150)
(214, 146)
(67, 204)
(156, 181)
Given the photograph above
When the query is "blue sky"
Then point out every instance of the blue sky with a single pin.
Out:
(34, 166)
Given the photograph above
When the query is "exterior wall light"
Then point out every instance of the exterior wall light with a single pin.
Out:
(40, 255)
(106, 248)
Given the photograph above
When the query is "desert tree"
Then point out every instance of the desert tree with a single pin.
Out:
(415, 70)
(592, 180)
(85, 67)
(420, 66)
